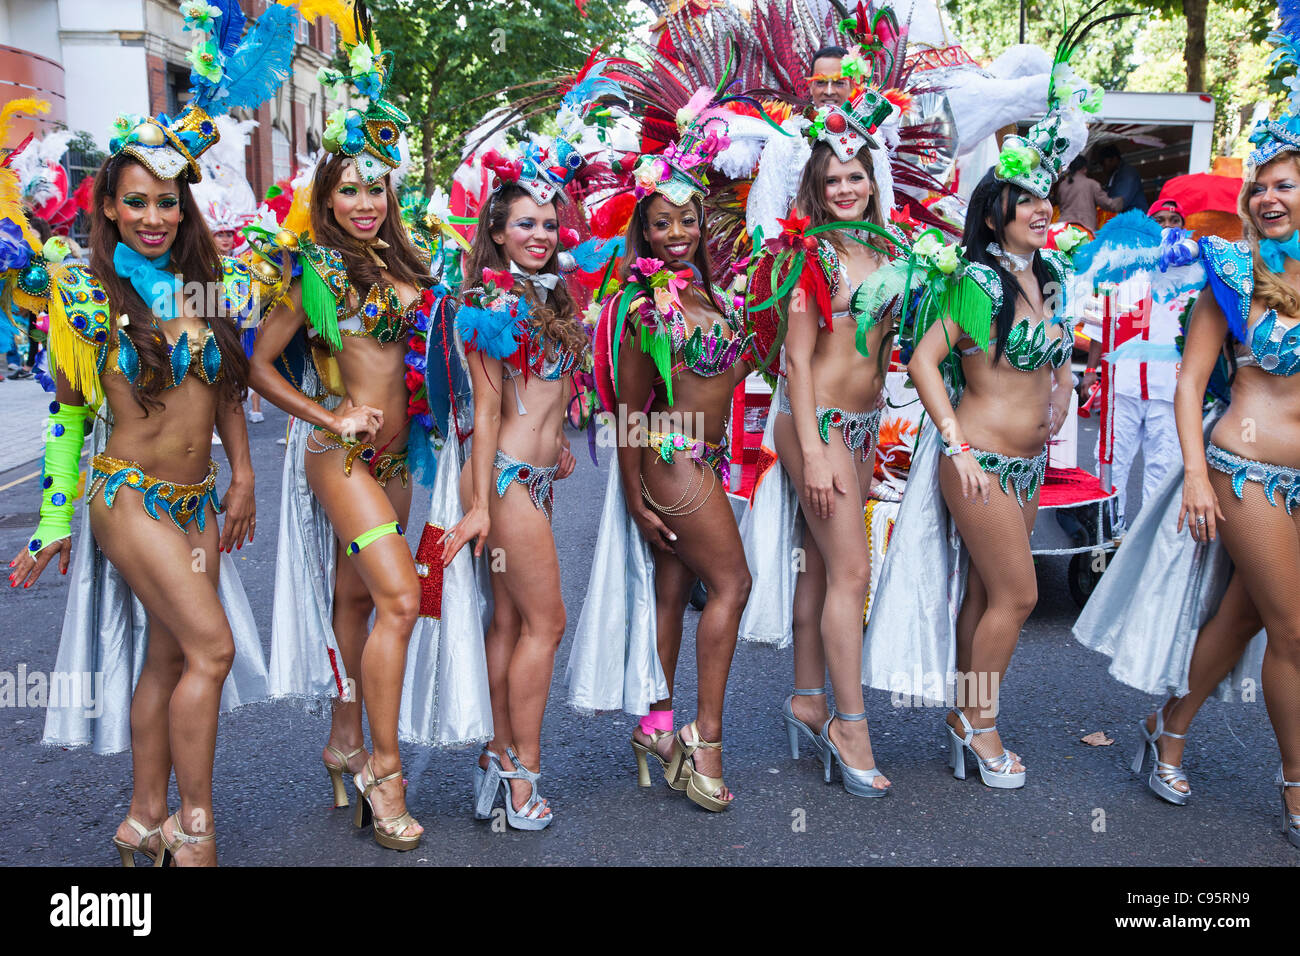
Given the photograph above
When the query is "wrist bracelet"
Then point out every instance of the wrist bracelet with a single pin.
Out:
(952, 450)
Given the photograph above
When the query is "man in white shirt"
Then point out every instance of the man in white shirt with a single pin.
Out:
(1147, 294)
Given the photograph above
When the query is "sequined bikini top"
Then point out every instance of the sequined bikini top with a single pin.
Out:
(86, 306)
(381, 316)
(500, 324)
(1028, 351)
(1264, 343)
(715, 351)
(1029, 345)
(545, 359)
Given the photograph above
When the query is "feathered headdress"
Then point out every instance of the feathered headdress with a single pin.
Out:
(678, 173)
(1274, 136)
(543, 169)
(226, 74)
(370, 137)
(1036, 160)
(851, 127)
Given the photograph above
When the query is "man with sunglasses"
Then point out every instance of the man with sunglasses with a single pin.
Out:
(783, 158)
(828, 84)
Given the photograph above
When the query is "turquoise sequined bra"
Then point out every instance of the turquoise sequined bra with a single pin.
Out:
(1265, 343)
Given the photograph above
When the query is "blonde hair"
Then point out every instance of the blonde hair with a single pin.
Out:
(1271, 289)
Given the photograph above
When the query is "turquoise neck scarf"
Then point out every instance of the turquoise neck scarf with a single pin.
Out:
(1275, 253)
(150, 278)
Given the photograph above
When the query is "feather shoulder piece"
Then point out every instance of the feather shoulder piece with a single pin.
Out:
(1230, 273)
(325, 288)
(80, 322)
(492, 319)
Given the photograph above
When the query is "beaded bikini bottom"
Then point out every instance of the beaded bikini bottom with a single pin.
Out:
(1242, 470)
(669, 444)
(855, 427)
(537, 480)
(383, 466)
(1024, 475)
(182, 503)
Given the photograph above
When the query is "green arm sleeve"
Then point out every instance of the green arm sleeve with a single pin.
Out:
(65, 433)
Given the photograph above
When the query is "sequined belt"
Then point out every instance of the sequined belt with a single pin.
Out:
(669, 444)
(537, 480)
(855, 427)
(384, 466)
(1025, 475)
(183, 503)
(1242, 470)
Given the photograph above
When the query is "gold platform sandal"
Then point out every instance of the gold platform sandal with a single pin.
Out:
(128, 850)
(336, 773)
(683, 775)
(182, 838)
(643, 767)
(389, 831)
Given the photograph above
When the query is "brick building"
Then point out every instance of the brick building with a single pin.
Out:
(96, 58)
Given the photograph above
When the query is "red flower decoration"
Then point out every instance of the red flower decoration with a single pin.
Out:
(569, 238)
(414, 381)
(792, 233)
(502, 279)
(508, 171)
(417, 344)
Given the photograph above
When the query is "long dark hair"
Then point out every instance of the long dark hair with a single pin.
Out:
(557, 319)
(403, 262)
(996, 200)
(194, 258)
(638, 245)
(810, 199)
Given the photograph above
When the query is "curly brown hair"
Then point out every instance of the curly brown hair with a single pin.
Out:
(194, 257)
(557, 320)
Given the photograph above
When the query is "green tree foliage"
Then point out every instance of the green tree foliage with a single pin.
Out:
(452, 52)
(986, 28)
(1235, 73)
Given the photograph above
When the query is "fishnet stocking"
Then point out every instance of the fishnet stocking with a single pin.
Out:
(1002, 591)
(1264, 544)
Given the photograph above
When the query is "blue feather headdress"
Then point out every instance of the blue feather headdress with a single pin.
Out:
(543, 169)
(226, 74)
(1274, 136)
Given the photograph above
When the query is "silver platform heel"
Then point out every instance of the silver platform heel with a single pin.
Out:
(995, 772)
(486, 783)
(794, 726)
(529, 816)
(1290, 821)
(1163, 775)
(856, 782)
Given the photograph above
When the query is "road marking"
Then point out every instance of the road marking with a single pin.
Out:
(19, 481)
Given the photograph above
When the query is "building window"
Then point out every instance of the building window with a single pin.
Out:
(280, 155)
(178, 88)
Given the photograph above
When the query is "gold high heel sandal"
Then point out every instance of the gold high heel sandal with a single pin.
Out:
(128, 851)
(699, 788)
(336, 773)
(389, 831)
(182, 838)
(643, 768)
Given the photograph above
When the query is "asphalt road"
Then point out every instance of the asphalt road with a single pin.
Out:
(1081, 805)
